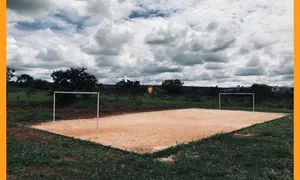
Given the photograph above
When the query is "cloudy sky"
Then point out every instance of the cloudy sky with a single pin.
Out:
(201, 42)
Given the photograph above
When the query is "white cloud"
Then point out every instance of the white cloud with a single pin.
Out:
(213, 66)
(202, 42)
(253, 62)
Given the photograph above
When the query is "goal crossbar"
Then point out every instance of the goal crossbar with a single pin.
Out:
(74, 92)
(77, 92)
(253, 98)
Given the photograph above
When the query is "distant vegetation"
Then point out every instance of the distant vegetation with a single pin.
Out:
(172, 86)
(73, 79)
(128, 86)
(172, 92)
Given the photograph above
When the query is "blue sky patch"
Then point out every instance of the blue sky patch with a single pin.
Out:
(32, 26)
(78, 22)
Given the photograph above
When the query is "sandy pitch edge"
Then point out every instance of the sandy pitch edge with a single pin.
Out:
(149, 132)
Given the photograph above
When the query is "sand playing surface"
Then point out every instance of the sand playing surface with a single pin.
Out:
(152, 131)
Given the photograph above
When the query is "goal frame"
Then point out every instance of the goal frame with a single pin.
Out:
(253, 98)
(77, 92)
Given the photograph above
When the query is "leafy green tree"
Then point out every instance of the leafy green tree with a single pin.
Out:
(129, 86)
(9, 74)
(42, 84)
(172, 86)
(213, 91)
(73, 79)
(261, 91)
(288, 97)
(25, 80)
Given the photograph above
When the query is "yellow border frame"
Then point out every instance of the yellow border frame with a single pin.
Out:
(3, 92)
(296, 95)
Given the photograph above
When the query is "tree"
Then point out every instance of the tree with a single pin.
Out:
(73, 79)
(172, 86)
(261, 91)
(213, 91)
(42, 84)
(9, 74)
(288, 97)
(130, 86)
(25, 80)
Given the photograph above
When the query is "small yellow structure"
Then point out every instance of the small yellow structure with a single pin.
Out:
(150, 90)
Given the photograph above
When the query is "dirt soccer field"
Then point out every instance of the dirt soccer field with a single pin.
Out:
(153, 131)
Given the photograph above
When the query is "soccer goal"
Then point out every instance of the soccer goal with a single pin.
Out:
(242, 94)
(75, 92)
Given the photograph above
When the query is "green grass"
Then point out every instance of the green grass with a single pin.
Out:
(22, 96)
(33, 154)
(34, 116)
(268, 154)
(107, 102)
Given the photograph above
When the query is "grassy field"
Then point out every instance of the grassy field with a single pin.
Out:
(263, 151)
(25, 95)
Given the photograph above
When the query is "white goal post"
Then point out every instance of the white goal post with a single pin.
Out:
(75, 92)
(252, 94)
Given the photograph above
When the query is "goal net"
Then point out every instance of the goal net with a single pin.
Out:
(241, 101)
(77, 93)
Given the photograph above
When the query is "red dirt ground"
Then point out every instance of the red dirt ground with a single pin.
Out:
(152, 131)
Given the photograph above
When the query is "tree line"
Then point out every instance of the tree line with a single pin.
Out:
(78, 79)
